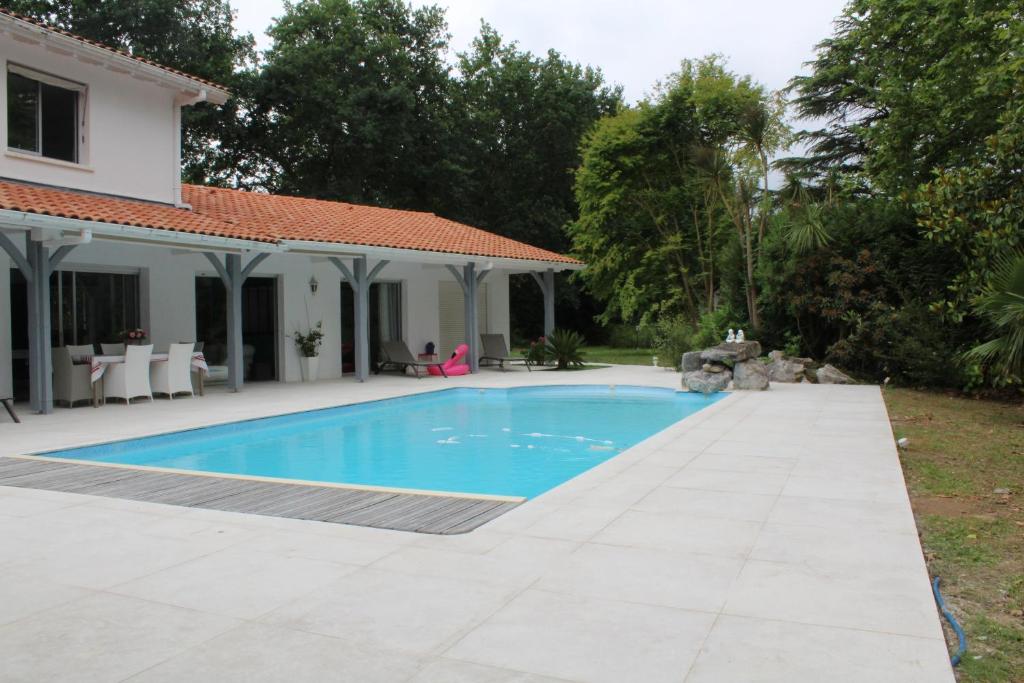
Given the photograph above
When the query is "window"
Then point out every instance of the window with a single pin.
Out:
(42, 114)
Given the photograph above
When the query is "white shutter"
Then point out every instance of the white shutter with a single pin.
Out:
(451, 315)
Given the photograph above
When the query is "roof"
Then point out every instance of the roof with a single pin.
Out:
(315, 220)
(273, 219)
(87, 41)
(89, 207)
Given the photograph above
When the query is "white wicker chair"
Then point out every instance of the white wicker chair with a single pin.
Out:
(174, 376)
(70, 382)
(81, 351)
(112, 349)
(129, 379)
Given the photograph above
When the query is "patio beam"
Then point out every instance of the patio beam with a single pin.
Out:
(469, 280)
(360, 280)
(59, 256)
(470, 289)
(7, 244)
(361, 290)
(233, 275)
(40, 360)
(546, 282)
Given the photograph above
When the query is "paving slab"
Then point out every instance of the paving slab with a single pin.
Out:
(768, 537)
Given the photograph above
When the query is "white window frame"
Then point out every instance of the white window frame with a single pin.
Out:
(80, 114)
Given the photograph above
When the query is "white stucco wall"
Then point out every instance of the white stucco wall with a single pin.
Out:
(169, 310)
(130, 130)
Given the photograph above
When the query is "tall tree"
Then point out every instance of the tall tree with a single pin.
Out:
(905, 87)
(658, 182)
(353, 103)
(194, 36)
(518, 119)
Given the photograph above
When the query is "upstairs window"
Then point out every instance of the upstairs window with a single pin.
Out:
(42, 114)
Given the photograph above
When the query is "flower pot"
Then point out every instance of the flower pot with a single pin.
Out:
(310, 367)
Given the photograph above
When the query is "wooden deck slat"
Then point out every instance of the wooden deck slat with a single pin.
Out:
(429, 514)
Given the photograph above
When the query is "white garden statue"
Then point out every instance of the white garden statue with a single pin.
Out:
(740, 337)
(731, 338)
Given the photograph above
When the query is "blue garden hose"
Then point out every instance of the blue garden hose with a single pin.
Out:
(960, 637)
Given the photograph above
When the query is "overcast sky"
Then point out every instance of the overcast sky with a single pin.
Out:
(635, 43)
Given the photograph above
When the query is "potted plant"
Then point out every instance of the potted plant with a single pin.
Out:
(308, 345)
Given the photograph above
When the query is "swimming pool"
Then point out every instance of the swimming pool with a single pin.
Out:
(509, 442)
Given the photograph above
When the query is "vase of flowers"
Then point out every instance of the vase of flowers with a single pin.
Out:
(135, 335)
(308, 345)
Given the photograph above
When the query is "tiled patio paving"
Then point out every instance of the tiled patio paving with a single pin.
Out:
(767, 538)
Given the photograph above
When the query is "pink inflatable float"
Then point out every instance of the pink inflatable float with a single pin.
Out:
(452, 366)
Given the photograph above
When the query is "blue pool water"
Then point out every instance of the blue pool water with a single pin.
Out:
(513, 442)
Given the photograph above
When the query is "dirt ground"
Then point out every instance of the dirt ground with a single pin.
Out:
(964, 466)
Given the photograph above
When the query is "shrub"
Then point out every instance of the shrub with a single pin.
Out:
(673, 336)
(537, 353)
(566, 348)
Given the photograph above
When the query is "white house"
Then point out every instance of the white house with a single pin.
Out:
(99, 235)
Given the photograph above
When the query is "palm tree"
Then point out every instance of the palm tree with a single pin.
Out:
(1001, 305)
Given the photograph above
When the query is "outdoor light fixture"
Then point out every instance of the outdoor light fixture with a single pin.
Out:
(313, 285)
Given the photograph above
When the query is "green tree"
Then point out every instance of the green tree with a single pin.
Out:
(517, 119)
(658, 184)
(194, 36)
(351, 103)
(908, 87)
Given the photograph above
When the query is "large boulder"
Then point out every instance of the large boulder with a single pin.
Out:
(692, 361)
(750, 375)
(706, 382)
(828, 374)
(787, 370)
(736, 352)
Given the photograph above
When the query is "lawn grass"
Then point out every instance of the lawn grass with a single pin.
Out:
(609, 354)
(963, 453)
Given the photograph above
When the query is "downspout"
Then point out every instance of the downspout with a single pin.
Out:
(176, 131)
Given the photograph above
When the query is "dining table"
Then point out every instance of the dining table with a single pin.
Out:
(98, 365)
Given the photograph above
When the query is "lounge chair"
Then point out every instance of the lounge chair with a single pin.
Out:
(397, 354)
(9, 405)
(496, 350)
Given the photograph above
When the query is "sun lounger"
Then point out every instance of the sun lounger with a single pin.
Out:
(397, 355)
(495, 350)
(10, 408)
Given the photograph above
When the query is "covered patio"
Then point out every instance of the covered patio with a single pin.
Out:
(235, 236)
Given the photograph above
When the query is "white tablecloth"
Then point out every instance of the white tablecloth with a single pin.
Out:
(99, 363)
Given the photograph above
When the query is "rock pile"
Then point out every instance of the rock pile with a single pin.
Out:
(787, 369)
(712, 369)
(738, 363)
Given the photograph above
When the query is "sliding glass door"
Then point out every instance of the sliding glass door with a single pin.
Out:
(385, 321)
(86, 307)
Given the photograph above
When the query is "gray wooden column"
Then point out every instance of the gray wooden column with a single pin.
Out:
(360, 279)
(236, 350)
(36, 265)
(233, 275)
(546, 282)
(40, 361)
(469, 280)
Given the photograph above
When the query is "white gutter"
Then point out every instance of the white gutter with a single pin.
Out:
(92, 54)
(418, 256)
(83, 237)
(20, 220)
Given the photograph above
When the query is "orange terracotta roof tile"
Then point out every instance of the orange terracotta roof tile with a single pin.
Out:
(269, 218)
(88, 207)
(68, 34)
(296, 218)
